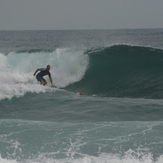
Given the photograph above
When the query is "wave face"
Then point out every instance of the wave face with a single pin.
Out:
(123, 71)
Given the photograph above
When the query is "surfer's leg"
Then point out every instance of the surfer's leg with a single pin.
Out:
(44, 82)
(39, 79)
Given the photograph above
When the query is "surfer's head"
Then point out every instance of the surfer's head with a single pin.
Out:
(48, 67)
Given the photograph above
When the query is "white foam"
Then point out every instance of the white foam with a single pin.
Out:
(3, 160)
(16, 69)
(103, 158)
(69, 66)
(108, 158)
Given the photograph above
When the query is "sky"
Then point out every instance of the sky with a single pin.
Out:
(80, 14)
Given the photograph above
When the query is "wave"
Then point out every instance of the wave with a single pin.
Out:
(123, 71)
(115, 71)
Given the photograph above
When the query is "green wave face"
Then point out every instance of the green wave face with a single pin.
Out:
(123, 71)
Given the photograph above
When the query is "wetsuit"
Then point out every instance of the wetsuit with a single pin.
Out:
(43, 72)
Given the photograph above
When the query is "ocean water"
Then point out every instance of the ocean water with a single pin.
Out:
(117, 119)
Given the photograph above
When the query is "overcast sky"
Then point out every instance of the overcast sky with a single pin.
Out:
(80, 14)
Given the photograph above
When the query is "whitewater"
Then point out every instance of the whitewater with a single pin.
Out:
(118, 117)
(17, 69)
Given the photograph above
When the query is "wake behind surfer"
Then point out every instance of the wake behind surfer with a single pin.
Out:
(43, 72)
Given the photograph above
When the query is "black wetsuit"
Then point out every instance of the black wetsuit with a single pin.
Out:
(43, 72)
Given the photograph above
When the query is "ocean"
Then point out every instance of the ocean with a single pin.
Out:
(117, 119)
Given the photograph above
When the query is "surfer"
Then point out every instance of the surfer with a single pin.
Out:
(43, 72)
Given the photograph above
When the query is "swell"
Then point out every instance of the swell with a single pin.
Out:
(123, 71)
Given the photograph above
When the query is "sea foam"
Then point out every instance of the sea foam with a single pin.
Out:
(17, 69)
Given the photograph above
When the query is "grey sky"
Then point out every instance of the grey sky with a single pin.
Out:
(80, 14)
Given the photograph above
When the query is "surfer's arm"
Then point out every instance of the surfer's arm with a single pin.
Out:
(51, 80)
(36, 71)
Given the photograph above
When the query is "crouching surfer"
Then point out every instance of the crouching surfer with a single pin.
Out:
(43, 72)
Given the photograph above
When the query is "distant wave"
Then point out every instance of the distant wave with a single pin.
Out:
(123, 71)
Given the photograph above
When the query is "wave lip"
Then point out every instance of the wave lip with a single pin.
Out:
(123, 71)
